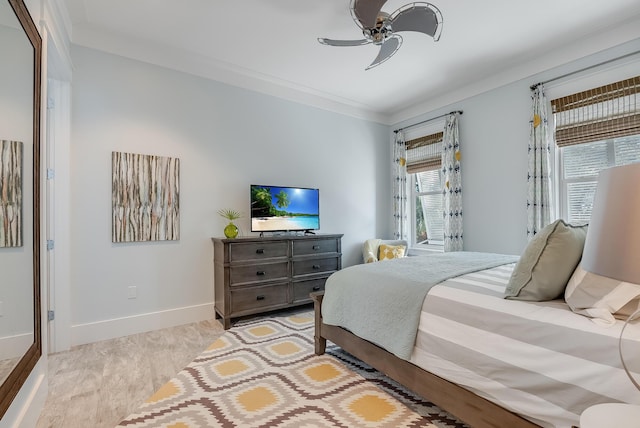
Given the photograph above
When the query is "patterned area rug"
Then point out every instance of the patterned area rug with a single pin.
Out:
(264, 373)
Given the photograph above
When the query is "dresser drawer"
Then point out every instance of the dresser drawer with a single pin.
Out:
(239, 275)
(302, 289)
(311, 266)
(247, 251)
(250, 298)
(315, 246)
(260, 274)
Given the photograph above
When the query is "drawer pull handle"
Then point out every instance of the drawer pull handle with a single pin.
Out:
(260, 297)
(260, 273)
(316, 247)
(316, 266)
(259, 251)
(316, 288)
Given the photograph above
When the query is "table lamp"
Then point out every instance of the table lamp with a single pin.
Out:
(612, 247)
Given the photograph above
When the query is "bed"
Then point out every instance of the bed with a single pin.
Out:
(490, 362)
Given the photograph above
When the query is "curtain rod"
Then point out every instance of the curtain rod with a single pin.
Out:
(532, 87)
(425, 121)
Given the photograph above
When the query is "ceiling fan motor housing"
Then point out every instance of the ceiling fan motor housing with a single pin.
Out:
(381, 31)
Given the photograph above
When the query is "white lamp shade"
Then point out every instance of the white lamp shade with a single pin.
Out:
(612, 247)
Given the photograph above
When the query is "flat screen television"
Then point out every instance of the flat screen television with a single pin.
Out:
(277, 209)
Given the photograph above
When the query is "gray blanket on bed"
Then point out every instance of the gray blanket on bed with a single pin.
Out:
(381, 302)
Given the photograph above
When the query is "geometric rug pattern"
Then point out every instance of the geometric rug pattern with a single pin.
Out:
(263, 373)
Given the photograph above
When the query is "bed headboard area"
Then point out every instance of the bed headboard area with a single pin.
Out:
(595, 268)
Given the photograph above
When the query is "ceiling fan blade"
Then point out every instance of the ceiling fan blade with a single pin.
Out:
(388, 48)
(365, 12)
(420, 17)
(332, 42)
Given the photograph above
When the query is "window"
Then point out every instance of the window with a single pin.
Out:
(424, 156)
(594, 130)
(580, 165)
(427, 201)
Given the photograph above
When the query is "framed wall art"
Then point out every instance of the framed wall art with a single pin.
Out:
(145, 198)
(10, 193)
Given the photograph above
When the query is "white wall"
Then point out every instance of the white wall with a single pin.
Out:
(494, 134)
(226, 138)
(494, 130)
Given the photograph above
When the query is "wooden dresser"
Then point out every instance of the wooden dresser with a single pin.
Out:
(254, 275)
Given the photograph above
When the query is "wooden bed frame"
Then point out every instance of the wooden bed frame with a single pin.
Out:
(462, 403)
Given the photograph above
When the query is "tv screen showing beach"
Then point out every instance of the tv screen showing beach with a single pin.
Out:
(276, 208)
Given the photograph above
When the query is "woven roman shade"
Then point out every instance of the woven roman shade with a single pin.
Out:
(424, 153)
(598, 114)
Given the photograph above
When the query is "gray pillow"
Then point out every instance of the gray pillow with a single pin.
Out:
(544, 269)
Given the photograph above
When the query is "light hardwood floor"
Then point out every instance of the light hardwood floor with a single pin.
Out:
(98, 384)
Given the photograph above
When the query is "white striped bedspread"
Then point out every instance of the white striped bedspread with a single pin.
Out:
(539, 360)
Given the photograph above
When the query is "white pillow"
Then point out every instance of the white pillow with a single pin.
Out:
(600, 298)
(370, 250)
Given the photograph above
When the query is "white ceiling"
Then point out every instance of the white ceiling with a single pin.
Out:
(271, 46)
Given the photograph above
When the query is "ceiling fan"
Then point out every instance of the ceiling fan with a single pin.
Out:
(380, 28)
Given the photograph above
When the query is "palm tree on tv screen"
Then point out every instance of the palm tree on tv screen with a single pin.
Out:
(261, 201)
(282, 199)
(263, 195)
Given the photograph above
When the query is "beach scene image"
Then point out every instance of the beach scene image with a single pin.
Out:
(283, 208)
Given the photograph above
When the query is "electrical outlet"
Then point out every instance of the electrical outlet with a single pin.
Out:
(132, 292)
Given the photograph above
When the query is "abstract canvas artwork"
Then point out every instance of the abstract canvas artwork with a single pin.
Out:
(10, 193)
(145, 198)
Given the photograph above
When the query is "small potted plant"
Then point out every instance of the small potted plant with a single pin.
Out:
(231, 231)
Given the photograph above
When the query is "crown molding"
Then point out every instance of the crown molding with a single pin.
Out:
(57, 22)
(199, 65)
(626, 36)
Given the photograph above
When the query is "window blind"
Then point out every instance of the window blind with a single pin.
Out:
(598, 114)
(581, 165)
(424, 153)
(429, 208)
(580, 201)
(586, 159)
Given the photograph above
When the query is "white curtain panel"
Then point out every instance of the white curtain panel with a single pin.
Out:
(399, 187)
(452, 191)
(539, 171)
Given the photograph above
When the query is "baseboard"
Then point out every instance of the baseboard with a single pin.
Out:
(15, 346)
(28, 404)
(118, 327)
